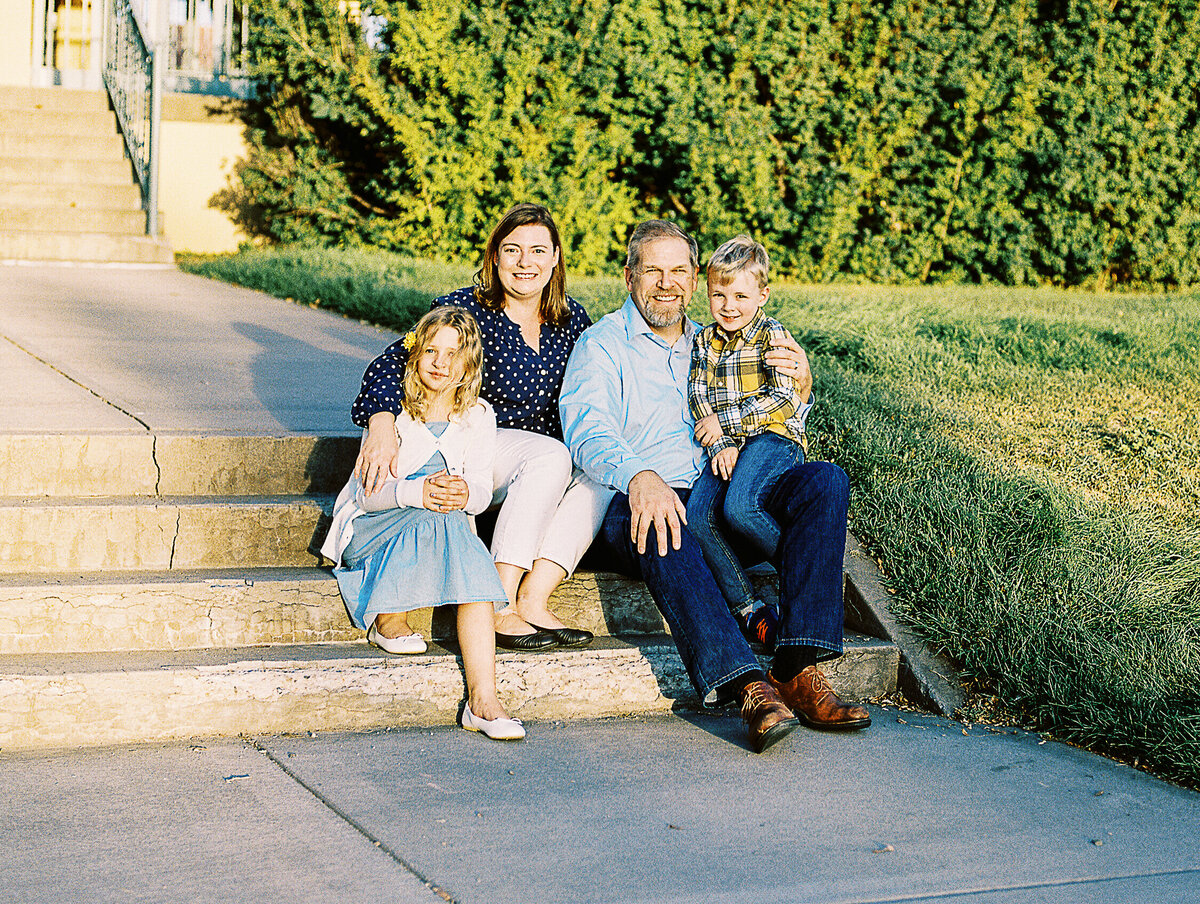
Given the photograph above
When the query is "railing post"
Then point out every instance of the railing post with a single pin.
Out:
(156, 80)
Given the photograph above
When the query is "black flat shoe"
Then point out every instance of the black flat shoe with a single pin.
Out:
(527, 643)
(567, 637)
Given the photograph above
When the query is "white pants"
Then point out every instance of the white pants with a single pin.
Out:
(548, 509)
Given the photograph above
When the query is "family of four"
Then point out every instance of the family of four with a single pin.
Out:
(678, 450)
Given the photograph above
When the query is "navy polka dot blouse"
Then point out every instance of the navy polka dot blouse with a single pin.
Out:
(521, 384)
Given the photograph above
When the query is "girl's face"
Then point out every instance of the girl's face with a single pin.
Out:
(526, 261)
(438, 366)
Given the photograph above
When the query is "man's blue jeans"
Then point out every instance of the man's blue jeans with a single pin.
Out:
(809, 504)
(739, 508)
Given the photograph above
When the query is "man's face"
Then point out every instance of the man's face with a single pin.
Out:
(664, 282)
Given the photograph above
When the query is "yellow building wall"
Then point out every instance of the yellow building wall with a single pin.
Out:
(199, 146)
(16, 42)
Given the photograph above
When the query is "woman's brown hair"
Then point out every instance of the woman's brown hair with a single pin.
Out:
(488, 291)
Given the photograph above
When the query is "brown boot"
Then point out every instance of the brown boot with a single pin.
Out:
(767, 718)
(813, 700)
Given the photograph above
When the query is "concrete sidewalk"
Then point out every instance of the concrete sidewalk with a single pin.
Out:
(111, 350)
(668, 808)
(662, 809)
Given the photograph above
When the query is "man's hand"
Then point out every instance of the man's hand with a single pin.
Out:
(723, 462)
(789, 359)
(444, 492)
(651, 501)
(379, 456)
(708, 430)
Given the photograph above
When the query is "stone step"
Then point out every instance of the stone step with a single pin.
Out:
(71, 197)
(61, 100)
(58, 170)
(160, 533)
(173, 465)
(118, 698)
(86, 246)
(46, 144)
(58, 122)
(212, 608)
(129, 221)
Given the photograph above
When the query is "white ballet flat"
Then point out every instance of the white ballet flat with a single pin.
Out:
(496, 729)
(405, 643)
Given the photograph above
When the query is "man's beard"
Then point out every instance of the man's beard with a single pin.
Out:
(660, 316)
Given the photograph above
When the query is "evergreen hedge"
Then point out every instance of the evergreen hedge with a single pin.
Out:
(1018, 143)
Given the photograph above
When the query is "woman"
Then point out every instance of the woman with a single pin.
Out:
(549, 511)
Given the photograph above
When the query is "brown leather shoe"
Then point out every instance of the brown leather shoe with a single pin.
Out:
(767, 718)
(813, 700)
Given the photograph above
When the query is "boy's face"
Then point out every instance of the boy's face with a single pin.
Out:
(734, 303)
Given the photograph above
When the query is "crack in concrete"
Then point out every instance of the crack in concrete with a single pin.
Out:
(436, 889)
(174, 539)
(83, 386)
(157, 466)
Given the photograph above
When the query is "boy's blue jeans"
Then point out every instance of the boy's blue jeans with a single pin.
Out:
(808, 503)
(738, 507)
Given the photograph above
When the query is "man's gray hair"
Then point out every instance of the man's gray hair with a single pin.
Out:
(657, 229)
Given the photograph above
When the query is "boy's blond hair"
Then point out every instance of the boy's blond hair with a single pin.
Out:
(740, 253)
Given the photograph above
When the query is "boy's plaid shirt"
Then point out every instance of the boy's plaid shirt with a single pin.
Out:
(729, 378)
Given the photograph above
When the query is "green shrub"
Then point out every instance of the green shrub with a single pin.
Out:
(887, 141)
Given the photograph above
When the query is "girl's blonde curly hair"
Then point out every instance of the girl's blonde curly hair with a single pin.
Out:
(469, 355)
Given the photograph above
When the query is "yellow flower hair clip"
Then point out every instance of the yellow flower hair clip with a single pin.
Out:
(409, 340)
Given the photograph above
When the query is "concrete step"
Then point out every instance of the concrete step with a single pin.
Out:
(131, 221)
(58, 122)
(85, 246)
(60, 100)
(59, 170)
(70, 197)
(211, 608)
(117, 698)
(160, 533)
(173, 465)
(47, 144)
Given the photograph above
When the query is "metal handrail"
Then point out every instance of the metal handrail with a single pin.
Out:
(133, 80)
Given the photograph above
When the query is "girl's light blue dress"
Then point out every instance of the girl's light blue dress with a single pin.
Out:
(410, 558)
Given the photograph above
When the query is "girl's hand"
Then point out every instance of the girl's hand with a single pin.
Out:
(379, 454)
(708, 430)
(444, 492)
(723, 462)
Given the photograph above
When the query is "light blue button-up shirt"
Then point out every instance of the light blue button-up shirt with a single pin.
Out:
(624, 402)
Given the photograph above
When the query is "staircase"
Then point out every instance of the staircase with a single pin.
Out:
(67, 191)
(163, 587)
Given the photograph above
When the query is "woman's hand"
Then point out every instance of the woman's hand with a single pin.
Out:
(444, 492)
(723, 462)
(708, 430)
(380, 453)
(789, 359)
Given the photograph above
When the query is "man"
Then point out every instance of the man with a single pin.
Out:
(626, 420)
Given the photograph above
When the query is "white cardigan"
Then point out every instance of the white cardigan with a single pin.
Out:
(469, 447)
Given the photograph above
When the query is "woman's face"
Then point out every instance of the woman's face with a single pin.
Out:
(438, 365)
(525, 262)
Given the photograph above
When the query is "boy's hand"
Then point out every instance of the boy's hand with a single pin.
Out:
(723, 462)
(708, 430)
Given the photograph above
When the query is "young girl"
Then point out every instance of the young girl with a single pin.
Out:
(409, 544)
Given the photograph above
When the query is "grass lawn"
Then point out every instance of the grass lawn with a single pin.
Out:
(1025, 464)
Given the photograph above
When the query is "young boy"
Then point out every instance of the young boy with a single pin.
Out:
(750, 420)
